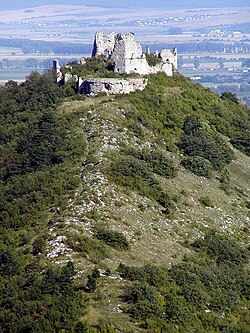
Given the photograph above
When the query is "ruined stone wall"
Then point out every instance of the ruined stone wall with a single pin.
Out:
(139, 66)
(103, 43)
(165, 68)
(127, 55)
(111, 86)
(169, 56)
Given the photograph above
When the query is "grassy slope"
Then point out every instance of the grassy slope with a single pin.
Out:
(154, 237)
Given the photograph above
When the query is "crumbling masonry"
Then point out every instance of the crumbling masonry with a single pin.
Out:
(127, 56)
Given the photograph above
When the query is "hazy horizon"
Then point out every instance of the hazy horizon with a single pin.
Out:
(13, 4)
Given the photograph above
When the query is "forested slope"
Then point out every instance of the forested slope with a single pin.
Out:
(126, 213)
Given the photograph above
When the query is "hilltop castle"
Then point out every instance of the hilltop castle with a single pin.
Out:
(127, 57)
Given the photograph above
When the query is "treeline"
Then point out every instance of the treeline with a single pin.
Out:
(40, 156)
(37, 152)
(34, 46)
(65, 48)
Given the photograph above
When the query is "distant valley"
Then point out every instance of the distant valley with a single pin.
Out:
(213, 44)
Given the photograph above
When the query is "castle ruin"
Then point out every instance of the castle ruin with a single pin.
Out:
(127, 57)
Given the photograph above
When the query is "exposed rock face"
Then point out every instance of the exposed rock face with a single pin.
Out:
(111, 86)
(127, 55)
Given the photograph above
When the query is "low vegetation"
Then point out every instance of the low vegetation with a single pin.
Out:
(152, 59)
(136, 174)
(93, 67)
(167, 103)
(198, 165)
(112, 238)
(206, 292)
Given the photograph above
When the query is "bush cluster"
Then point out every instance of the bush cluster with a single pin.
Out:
(156, 160)
(113, 238)
(193, 295)
(198, 165)
(164, 104)
(40, 149)
(206, 201)
(31, 301)
(95, 67)
(200, 140)
(132, 172)
(152, 59)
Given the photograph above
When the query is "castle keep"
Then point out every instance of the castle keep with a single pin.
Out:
(127, 57)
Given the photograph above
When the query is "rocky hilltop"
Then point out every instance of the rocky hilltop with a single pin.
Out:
(123, 56)
(133, 210)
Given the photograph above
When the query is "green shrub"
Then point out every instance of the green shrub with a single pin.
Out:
(144, 301)
(222, 249)
(151, 274)
(201, 140)
(231, 97)
(156, 160)
(198, 165)
(95, 67)
(136, 174)
(224, 176)
(241, 140)
(91, 283)
(39, 244)
(113, 238)
(87, 246)
(206, 201)
(193, 293)
(42, 153)
(152, 59)
(163, 105)
(165, 201)
(191, 124)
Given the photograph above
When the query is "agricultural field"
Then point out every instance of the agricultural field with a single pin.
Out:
(7, 52)
(219, 72)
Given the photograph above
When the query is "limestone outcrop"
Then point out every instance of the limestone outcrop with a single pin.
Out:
(96, 86)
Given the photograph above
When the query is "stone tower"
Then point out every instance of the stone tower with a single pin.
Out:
(103, 44)
(57, 72)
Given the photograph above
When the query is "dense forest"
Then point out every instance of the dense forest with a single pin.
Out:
(43, 151)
